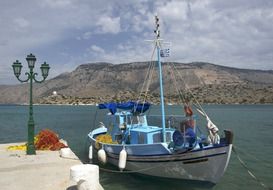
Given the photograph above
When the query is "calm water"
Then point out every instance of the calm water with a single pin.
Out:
(252, 126)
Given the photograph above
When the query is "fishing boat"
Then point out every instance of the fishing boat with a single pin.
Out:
(171, 146)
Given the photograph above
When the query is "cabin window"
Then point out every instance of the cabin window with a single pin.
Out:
(141, 119)
(132, 120)
(168, 136)
(157, 138)
(141, 138)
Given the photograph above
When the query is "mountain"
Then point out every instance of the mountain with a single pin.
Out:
(96, 82)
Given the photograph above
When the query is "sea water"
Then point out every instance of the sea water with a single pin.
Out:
(253, 138)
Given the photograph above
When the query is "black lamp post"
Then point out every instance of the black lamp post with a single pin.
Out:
(17, 66)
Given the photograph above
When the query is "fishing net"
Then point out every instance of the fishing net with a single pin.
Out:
(44, 140)
(107, 139)
(48, 140)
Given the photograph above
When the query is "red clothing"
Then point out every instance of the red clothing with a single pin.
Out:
(188, 111)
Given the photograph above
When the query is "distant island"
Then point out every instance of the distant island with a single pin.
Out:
(103, 82)
(207, 95)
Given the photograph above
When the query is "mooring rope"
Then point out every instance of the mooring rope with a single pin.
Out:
(254, 157)
(120, 172)
(69, 158)
(248, 170)
(127, 171)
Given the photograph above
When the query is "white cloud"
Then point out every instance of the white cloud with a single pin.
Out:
(21, 22)
(233, 33)
(173, 11)
(57, 3)
(122, 53)
(85, 36)
(96, 49)
(108, 24)
(229, 33)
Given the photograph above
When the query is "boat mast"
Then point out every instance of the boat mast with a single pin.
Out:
(157, 43)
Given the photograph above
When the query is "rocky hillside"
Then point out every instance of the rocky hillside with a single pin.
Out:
(97, 82)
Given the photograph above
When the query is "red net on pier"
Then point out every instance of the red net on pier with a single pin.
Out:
(48, 140)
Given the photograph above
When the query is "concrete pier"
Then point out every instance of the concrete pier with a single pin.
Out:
(44, 171)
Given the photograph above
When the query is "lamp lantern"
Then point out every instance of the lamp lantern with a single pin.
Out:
(45, 68)
(31, 59)
(17, 67)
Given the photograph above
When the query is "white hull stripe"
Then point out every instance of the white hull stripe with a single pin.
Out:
(166, 159)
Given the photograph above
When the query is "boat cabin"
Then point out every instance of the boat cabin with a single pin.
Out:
(127, 124)
(128, 128)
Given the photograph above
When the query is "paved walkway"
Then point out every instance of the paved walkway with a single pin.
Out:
(44, 171)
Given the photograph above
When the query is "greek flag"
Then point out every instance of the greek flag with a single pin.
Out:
(165, 52)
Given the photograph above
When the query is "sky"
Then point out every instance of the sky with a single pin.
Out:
(67, 33)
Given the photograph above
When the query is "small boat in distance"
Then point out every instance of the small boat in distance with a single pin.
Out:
(168, 146)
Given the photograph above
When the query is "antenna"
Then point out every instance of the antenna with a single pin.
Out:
(157, 31)
(158, 41)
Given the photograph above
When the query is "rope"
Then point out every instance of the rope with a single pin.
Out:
(150, 76)
(173, 76)
(146, 85)
(196, 104)
(255, 158)
(249, 172)
(69, 158)
(191, 93)
(128, 172)
(151, 71)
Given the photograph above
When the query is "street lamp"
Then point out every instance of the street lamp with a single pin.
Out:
(17, 67)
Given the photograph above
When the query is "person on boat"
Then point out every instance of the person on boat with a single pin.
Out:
(190, 135)
(188, 132)
(189, 113)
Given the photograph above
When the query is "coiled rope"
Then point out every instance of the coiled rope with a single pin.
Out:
(248, 170)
